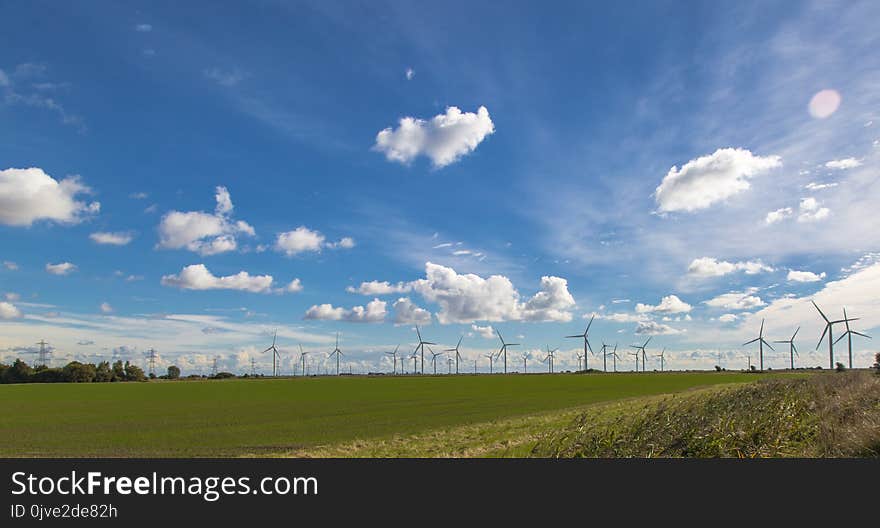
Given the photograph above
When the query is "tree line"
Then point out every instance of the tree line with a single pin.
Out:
(76, 372)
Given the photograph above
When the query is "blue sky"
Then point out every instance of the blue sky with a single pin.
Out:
(678, 170)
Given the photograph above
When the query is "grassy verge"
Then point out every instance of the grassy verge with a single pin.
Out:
(827, 415)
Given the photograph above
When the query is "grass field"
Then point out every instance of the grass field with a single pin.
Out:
(303, 417)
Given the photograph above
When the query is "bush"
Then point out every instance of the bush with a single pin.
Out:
(223, 375)
(839, 367)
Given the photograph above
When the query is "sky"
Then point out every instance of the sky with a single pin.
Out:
(192, 178)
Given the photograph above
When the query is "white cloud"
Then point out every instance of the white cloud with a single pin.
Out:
(113, 239)
(62, 268)
(201, 232)
(299, 240)
(444, 139)
(143, 28)
(736, 300)
(410, 73)
(9, 311)
(811, 211)
(486, 332)
(198, 277)
(11, 297)
(225, 77)
(466, 298)
(374, 312)
(727, 318)
(344, 243)
(407, 312)
(655, 328)
(9, 265)
(30, 195)
(778, 215)
(813, 186)
(668, 304)
(711, 267)
(294, 286)
(620, 317)
(139, 196)
(106, 308)
(843, 164)
(709, 179)
(380, 288)
(804, 276)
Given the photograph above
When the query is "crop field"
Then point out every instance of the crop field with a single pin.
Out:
(306, 416)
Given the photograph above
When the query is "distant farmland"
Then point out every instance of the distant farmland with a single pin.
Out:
(298, 416)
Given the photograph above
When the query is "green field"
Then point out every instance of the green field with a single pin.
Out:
(298, 416)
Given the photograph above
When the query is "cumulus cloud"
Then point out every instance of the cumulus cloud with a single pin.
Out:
(198, 277)
(9, 311)
(778, 215)
(407, 312)
(374, 312)
(113, 239)
(30, 195)
(486, 332)
(410, 73)
(706, 180)
(466, 298)
(304, 240)
(62, 268)
(106, 308)
(736, 300)
(813, 186)
(668, 304)
(804, 276)
(812, 211)
(380, 288)
(201, 232)
(444, 139)
(294, 286)
(9, 265)
(727, 318)
(843, 164)
(712, 267)
(655, 328)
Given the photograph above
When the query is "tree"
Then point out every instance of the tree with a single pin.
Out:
(173, 372)
(103, 373)
(118, 371)
(133, 372)
(76, 372)
(19, 372)
(877, 361)
(839, 367)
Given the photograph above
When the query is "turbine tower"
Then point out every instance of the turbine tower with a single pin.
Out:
(275, 355)
(457, 355)
(587, 346)
(615, 357)
(580, 357)
(491, 357)
(644, 355)
(605, 356)
(421, 346)
(337, 352)
(302, 357)
(549, 359)
(662, 356)
(434, 356)
(848, 334)
(394, 355)
(503, 349)
(792, 350)
(829, 328)
(525, 357)
(636, 354)
(761, 342)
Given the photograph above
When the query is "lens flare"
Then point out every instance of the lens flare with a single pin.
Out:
(824, 103)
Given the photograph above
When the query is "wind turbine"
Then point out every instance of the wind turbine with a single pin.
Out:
(761, 342)
(587, 346)
(415, 358)
(580, 358)
(434, 356)
(503, 349)
(636, 354)
(421, 346)
(615, 357)
(644, 355)
(394, 355)
(275, 355)
(605, 356)
(491, 357)
(792, 350)
(662, 356)
(849, 333)
(457, 355)
(549, 358)
(302, 357)
(449, 365)
(337, 352)
(829, 328)
(525, 357)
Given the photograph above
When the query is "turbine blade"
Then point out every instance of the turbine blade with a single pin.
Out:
(841, 337)
(795, 333)
(861, 334)
(768, 344)
(820, 311)
(750, 342)
(589, 324)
